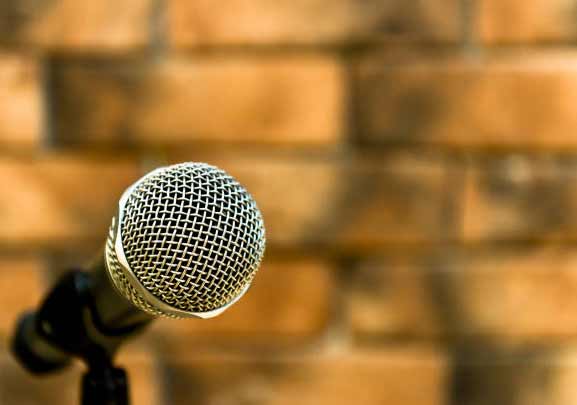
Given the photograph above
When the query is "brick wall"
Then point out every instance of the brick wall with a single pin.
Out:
(414, 162)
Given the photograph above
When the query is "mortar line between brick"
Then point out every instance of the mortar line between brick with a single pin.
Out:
(46, 106)
(468, 29)
(158, 29)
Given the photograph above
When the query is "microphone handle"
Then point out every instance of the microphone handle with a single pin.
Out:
(112, 312)
(81, 316)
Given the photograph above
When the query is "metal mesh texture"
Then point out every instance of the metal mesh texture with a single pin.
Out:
(193, 237)
(121, 282)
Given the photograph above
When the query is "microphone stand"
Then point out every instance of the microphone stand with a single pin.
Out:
(67, 326)
(104, 384)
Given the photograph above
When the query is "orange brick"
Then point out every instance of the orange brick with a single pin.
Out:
(81, 26)
(524, 376)
(18, 387)
(395, 295)
(271, 99)
(520, 198)
(363, 201)
(564, 377)
(534, 21)
(288, 300)
(55, 198)
(203, 23)
(522, 295)
(501, 296)
(502, 100)
(22, 287)
(304, 201)
(403, 376)
(20, 106)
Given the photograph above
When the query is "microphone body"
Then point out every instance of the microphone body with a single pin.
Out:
(186, 242)
(81, 316)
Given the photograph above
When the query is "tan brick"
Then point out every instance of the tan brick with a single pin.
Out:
(534, 21)
(361, 201)
(502, 100)
(72, 25)
(54, 198)
(497, 296)
(365, 202)
(523, 295)
(18, 387)
(288, 300)
(404, 376)
(520, 198)
(20, 106)
(270, 99)
(564, 377)
(21, 283)
(396, 295)
(203, 23)
(525, 376)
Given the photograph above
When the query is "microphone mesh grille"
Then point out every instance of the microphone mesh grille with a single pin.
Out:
(192, 236)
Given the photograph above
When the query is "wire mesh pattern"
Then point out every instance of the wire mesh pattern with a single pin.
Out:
(121, 282)
(192, 236)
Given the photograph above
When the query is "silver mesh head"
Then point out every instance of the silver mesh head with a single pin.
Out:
(188, 241)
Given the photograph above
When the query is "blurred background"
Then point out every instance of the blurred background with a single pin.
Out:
(415, 162)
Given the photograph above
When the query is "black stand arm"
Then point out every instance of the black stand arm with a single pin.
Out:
(67, 325)
(104, 385)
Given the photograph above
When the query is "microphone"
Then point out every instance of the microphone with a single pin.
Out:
(186, 241)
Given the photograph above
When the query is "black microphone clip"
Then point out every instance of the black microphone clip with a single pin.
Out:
(67, 325)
